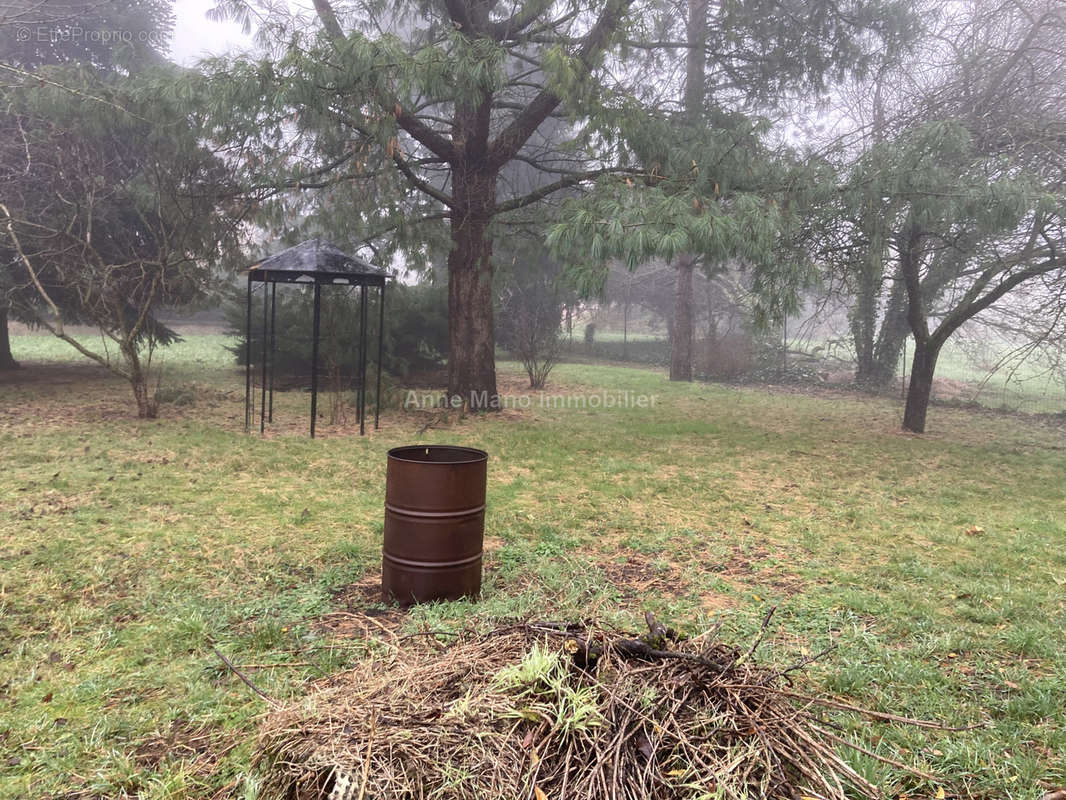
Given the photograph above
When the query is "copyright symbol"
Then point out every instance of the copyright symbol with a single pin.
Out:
(22, 35)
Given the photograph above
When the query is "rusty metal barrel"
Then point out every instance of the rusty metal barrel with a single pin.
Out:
(434, 523)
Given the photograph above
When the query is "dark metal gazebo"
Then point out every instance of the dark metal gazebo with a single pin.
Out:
(317, 262)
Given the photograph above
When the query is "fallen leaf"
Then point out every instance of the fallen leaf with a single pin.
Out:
(539, 793)
(940, 794)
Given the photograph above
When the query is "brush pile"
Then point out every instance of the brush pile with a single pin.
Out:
(561, 711)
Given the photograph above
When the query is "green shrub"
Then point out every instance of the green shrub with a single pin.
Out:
(416, 331)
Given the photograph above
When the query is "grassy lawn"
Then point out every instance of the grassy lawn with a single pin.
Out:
(1027, 387)
(128, 550)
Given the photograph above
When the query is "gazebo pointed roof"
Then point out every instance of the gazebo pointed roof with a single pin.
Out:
(316, 261)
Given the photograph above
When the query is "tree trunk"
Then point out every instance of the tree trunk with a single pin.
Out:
(7, 361)
(920, 389)
(472, 356)
(863, 320)
(882, 371)
(695, 86)
(871, 366)
(681, 344)
(147, 402)
(879, 369)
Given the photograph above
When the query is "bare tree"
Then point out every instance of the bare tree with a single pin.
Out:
(533, 293)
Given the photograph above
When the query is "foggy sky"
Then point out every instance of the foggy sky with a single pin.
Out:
(195, 36)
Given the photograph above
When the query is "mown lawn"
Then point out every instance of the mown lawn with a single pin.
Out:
(129, 550)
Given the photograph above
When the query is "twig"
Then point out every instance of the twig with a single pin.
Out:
(883, 759)
(245, 678)
(881, 715)
(434, 420)
(762, 633)
(711, 632)
(801, 663)
(366, 762)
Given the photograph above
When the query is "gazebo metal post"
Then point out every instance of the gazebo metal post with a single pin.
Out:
(314, 358)
(273, 345)
(381, 350)
(263, 376)
(362, 360)
(355, 377)
(248, 359)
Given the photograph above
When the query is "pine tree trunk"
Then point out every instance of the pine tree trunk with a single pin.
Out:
(920, 389)
(695, 86)
(472, 356)
(873, 368)
(880, 369)
(7, 361)
(681, 343)
(889, 344)
(863, 322)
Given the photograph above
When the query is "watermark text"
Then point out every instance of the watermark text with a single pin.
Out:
(540, 400)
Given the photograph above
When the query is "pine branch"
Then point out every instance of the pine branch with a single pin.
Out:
(563, 183)
(517, 133)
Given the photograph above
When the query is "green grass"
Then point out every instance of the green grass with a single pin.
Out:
(129, 549)
(1027, 387)
(195, 354)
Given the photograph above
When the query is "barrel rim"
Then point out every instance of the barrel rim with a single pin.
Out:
(473, 455)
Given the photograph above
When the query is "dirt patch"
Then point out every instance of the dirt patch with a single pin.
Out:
(361, 614)
(65, 395)
(746, 568)
(637, 577)
(183, 742)
(48, 503)
(713, 602)
(640, 576)
(49, 395)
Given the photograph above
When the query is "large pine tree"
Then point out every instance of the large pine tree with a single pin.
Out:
(396, 122)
